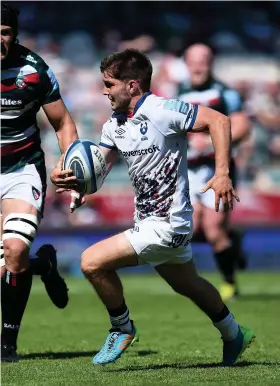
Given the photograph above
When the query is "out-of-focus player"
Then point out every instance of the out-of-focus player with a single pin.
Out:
(204, 89)
(153, 143)
(27, 84)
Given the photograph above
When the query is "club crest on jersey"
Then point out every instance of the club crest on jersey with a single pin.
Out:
(36, 193)
(143, 130)
(19, 82)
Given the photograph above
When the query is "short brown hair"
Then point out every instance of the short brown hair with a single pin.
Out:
(127, 65)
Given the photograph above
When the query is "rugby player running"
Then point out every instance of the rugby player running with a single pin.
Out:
(27, 84)
(153, 143)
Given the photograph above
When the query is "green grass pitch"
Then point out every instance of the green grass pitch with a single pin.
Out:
(178, 345)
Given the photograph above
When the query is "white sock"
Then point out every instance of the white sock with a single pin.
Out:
(122, 322)
(228, 327)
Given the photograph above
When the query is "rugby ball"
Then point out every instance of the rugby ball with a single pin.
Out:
(87, 163)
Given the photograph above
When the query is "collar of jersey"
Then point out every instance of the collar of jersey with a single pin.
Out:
(122, 117)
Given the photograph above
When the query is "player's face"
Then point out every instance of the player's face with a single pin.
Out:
(117, 92)
(7, 37)
(199, 69)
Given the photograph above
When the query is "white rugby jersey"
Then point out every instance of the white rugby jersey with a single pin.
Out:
(153, 143)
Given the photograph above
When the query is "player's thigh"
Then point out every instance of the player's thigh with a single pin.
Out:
(111, 254)
(178, 276)
(22, 194)
(11, 205)
(24, 184)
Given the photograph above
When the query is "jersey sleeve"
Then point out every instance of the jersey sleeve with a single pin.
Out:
(49, 90)
(173, 116)
(233, 101)
(106, 139)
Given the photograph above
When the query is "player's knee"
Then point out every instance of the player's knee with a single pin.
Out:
(16, 255)
(85, 265)
(19, 231)
(89, 265)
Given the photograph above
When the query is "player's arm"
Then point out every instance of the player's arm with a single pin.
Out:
(64, 126)
(111, 157)
(55, 109)
(66, 132)
(219, 128)
(240, 125)
(108, 146)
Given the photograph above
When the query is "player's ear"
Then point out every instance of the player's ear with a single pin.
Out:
(133, 87)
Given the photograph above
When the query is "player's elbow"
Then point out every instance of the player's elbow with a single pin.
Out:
(218, 121)
(219, 126)
(240, 126)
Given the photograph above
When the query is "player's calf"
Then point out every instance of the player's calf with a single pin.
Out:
(185, 281)
(99, 263)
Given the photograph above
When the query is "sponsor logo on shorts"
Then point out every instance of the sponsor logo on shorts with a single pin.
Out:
(36, 193)
(179, 240)
(135, 229)
(134, 153)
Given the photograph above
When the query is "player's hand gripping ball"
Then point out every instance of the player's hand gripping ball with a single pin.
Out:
(88, 164)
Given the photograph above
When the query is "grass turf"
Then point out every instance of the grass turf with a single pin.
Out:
(178, 345)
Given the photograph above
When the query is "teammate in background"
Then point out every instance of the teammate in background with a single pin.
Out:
(154, 146)
(27, 83)
(205, 90)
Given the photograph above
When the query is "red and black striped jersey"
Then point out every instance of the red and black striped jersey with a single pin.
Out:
(27, 83)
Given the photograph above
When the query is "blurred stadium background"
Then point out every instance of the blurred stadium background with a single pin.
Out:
(73, 37)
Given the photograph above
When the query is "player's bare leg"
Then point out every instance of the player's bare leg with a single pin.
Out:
(184, 280)
(215, 228)
(20, 221)
(99, 264)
